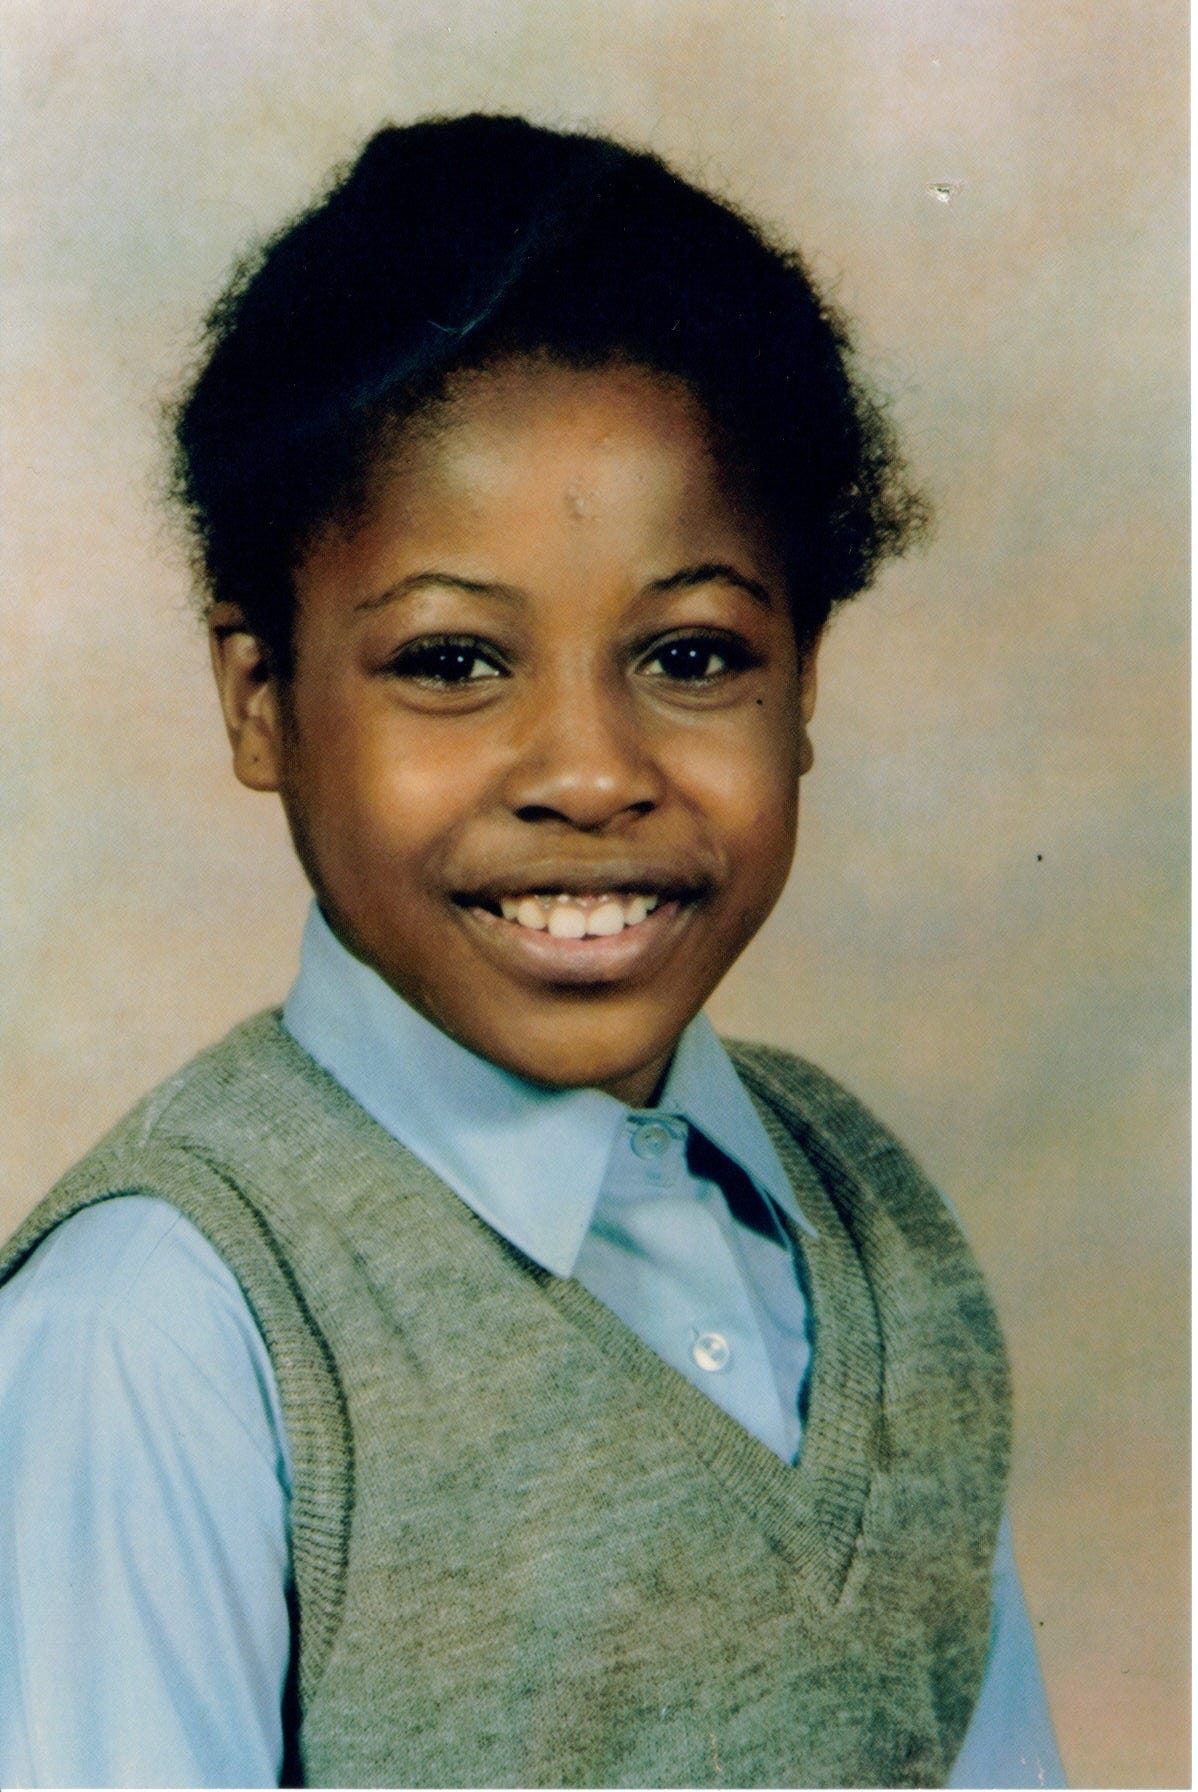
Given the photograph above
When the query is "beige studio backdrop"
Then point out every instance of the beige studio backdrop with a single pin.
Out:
(984, 935)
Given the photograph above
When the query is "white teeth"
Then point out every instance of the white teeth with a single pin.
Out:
(570, 917)
(567, 922)
(606, 918)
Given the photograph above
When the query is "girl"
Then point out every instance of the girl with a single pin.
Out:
(476, 1373)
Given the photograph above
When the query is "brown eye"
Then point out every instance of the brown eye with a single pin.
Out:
(446, 661)
(696, 659)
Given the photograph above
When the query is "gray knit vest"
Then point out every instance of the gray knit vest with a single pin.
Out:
(528, 1553)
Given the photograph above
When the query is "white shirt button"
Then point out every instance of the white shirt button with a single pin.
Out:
(652, 1139)
(712, 1352)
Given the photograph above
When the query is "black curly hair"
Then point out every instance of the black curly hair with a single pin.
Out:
(452, 243)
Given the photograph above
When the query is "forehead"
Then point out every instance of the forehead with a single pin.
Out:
(530, 459)
(520, 418)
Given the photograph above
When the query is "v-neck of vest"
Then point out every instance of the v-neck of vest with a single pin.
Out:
(811, 1511)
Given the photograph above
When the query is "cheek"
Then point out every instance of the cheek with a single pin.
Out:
(747, 789)
(361, 801)
(354, 755)
(769, 848)
(397, 815)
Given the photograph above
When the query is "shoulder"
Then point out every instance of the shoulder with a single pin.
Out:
(131, 1294)
(130, 1250)
(256, 1056)
(127, 1303)
(130, 1255)
(248, 1112)
(257, 1072)
(147, 1270)
(254, 1145)
(167, 1251)
(815, 1103)
(144, 1491)
(870, 1175)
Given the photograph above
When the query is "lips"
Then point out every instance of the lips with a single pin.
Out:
(572, 924)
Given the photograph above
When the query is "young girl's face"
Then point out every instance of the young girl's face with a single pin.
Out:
(541, 747)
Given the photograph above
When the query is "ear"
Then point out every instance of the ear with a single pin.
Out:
(808, 680)
(249, 698)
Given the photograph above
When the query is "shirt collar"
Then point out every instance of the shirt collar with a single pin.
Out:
(498, 1141)
(703, 1087)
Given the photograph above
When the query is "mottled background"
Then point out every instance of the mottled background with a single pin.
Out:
(984, 936)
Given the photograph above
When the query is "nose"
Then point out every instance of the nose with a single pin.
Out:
(582, 758)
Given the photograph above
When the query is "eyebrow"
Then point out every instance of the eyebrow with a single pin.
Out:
(686, 579)
(478, 587)
(713, 572)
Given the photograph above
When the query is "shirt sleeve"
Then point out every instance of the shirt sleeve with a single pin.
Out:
(144, 1488)
(1010, 1739)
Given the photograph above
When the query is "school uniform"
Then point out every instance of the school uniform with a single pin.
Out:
(586, 1535)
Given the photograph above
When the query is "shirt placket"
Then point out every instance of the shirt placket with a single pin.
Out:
(662, 1245)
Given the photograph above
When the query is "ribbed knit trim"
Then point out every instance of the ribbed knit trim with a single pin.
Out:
(848, 1175)
(812, 1512)
(141, 1157)
(839, 1156)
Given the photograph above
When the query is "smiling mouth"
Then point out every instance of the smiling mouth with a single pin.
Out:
(571, 915)
(620, 927)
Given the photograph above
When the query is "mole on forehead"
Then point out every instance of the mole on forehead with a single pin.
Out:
(579, 499)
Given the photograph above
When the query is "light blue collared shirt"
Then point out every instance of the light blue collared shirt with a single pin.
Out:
(719, 1302)
(143, 1511)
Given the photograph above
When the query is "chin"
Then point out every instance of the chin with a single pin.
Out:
(561, 1065)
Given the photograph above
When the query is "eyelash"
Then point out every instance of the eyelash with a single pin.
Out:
(735, 654)
(446, 662)
(418, 659)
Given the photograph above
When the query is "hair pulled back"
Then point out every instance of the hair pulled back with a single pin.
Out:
(452, 243)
